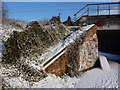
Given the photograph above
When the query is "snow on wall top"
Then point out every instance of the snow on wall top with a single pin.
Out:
(62, 45)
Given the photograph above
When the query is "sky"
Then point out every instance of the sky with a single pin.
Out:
(61, 0)
(40, 11)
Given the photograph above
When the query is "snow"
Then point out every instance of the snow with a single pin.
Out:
(104, 63)
(7, 30)
(65, 43)
(18, 82)
(95, 78)
(53, 81)
(98, 78)
(53, 60)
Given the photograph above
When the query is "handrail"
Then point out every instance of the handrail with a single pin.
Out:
(97, 8)
(82, 14)
(80, 10)
(104, 3)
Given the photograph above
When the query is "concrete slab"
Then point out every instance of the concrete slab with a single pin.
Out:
(104, 63)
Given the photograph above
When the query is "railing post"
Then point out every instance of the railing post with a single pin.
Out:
(109, 9)
(75, 17)
(88, 11)
(87, 14)
(98, 10)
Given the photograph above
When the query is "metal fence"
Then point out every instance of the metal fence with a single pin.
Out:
(85, 11)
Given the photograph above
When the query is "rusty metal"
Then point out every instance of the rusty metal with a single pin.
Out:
(88, 11)
(109, 9)
(80, 10)
(105, 3)
(98, 9)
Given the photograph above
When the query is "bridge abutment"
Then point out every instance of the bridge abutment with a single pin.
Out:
(80, 55)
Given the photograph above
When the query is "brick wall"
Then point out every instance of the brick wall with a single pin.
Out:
(87, 53)
(58, 67)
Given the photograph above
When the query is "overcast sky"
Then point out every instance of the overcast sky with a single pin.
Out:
(60, 0)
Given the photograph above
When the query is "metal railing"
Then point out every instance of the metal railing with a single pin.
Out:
(87, 12)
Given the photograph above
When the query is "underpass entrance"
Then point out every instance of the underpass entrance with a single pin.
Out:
(109, 41)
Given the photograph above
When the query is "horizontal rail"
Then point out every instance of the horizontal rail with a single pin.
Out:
(95, 4)
(98, 9)
(104, 9)
(104, 3)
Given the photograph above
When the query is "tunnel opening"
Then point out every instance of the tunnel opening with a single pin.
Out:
(109, 41)
(109, 44)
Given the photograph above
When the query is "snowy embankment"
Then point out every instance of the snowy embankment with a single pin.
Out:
(54, 50)
(98, 78)
(95, 78)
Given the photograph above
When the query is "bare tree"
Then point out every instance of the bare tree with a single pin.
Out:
(4, 10)
(0, 12)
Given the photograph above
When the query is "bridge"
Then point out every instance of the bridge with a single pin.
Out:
(78, 51)
(108, 34)
(108, 24)
(87, 10)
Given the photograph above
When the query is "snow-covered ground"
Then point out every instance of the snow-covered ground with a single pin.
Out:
(95, 78)
(98, 78)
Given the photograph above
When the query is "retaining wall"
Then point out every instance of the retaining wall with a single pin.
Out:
(79, 55)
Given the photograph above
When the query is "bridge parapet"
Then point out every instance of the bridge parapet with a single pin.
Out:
(87, 11)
